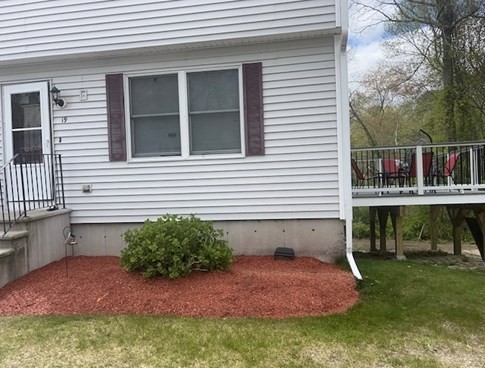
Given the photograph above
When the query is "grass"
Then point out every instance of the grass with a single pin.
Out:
(410, 315)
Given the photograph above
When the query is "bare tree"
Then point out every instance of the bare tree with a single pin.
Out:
(380, 109)
(438, 32)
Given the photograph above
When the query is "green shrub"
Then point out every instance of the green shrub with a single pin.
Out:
(173, 246)
(416, 223)
(360, 230)
(361, 214)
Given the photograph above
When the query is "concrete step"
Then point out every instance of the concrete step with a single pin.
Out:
(6, 252)
(11, 264)
(13, 239)
(20, 225)
(33, 215)
(13, 234)
(13, 250)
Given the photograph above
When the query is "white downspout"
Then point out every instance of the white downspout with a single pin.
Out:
(348, 250)
(343, 129)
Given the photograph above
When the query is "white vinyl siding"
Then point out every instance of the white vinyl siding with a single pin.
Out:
(297, 178)
(49, 29)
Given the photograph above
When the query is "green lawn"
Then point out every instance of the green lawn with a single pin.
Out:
(410, 315)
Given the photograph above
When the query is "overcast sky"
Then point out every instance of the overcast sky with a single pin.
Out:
(366, 37)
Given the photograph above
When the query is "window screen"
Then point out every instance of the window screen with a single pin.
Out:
(214, 118)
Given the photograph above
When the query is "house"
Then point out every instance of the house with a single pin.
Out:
(235, 111)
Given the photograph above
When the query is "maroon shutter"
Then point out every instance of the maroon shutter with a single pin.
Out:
(116, 117)
(253, 108)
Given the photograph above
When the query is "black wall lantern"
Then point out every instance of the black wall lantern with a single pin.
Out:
(57, 100)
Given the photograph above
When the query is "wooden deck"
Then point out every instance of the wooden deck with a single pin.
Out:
(451, 176)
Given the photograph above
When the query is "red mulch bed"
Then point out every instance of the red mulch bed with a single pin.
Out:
(254, 286)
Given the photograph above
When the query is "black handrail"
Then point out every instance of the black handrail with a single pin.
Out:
(30, 181)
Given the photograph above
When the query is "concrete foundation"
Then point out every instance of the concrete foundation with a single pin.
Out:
(322, 239)
(34, 242)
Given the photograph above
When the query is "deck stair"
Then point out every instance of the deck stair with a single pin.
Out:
(477, 233)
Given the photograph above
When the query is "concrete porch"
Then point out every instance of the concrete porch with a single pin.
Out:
(35, 241)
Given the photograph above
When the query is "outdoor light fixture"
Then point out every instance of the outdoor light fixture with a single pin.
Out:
(69, 240)
(57, 100)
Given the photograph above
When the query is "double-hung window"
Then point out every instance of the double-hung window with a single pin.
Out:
(185, 113)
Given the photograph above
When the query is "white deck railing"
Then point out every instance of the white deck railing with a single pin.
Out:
(419, 170)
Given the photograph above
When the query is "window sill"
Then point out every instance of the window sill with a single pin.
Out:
(227, 156)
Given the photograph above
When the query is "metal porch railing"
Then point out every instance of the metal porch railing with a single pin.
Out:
(30, 181)
(419, 170)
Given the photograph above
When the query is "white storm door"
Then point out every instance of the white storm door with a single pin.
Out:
(27, 133)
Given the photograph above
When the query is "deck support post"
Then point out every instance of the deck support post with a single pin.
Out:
(372, 228)
(434, 212)
(457, 217)
(397, 215)
(382, 214)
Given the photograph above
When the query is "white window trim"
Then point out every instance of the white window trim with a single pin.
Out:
(183, 115)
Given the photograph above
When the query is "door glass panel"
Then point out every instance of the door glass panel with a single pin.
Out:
(26, 110)
(29, 144)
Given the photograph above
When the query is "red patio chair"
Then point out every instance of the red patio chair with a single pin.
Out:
(391, 169)
(427, 162)
(361, 177)
(449, 167)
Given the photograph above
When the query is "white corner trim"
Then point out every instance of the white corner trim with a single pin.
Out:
(343, 131)
(342, 14)
(342, 21)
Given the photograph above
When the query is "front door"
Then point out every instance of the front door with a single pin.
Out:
(27, 133)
